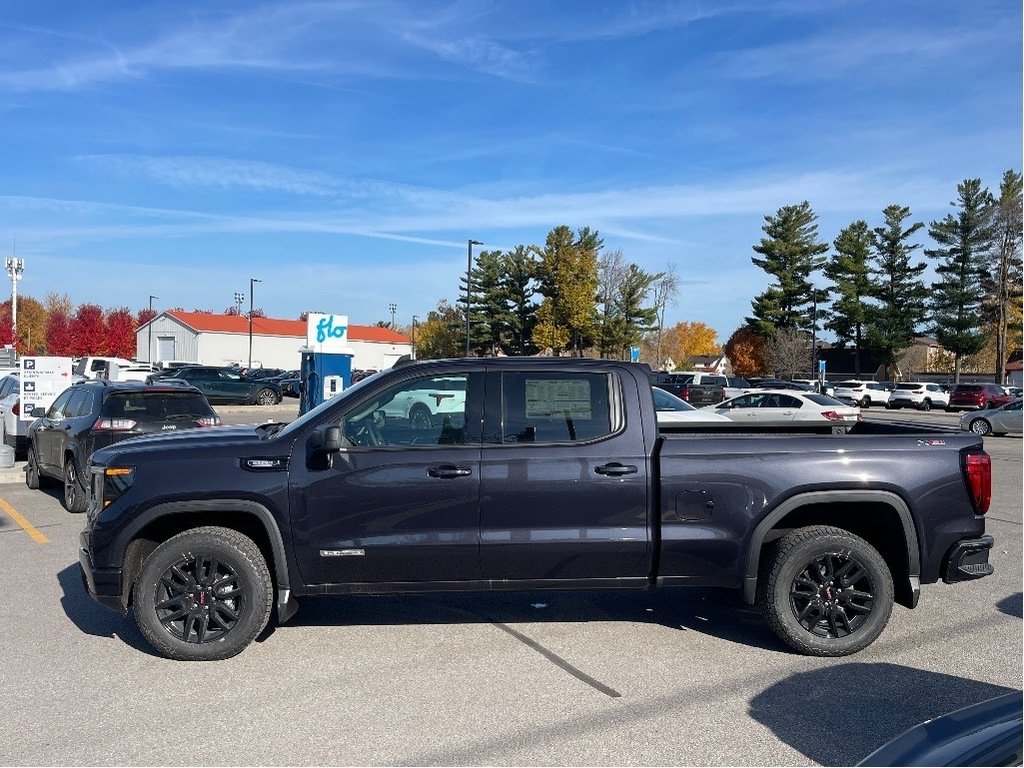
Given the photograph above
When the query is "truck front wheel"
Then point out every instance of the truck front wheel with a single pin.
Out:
(826, 592)
(203, 595)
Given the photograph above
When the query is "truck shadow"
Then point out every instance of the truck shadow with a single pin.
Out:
(91, 617)
(1012, 605)
(838, 715)
(719, 613)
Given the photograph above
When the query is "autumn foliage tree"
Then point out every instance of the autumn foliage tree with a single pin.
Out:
(746, 352)
(88, 331)
(120, 327)
(59, 339)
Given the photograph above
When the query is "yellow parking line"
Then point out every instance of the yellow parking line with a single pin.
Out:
(26, 526)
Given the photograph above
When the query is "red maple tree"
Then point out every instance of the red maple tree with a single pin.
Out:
(144, 316)
(58, 334)
(120, 336)
(88, 331)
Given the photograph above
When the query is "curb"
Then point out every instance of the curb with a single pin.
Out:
(15, 474)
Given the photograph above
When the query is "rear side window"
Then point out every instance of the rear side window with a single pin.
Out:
(155, 406)
(558, 407)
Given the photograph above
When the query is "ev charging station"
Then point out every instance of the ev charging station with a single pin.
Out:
(326, 367)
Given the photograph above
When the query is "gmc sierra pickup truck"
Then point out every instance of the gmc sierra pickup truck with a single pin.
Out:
(551, 474)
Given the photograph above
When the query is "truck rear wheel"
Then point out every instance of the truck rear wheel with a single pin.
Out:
(203, 595)
(826, 592)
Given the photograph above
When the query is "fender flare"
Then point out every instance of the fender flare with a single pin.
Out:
(833, 497)
(286, 605)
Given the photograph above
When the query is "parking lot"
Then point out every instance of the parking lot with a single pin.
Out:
(567, 678)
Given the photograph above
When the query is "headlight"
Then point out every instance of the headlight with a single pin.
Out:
(116, 482)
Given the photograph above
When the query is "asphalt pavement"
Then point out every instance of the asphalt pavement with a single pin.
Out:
(560, 678)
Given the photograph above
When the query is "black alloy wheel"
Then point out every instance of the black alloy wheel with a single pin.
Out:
(74, 493)
(419, 417)
(203, 595)
(833, 595)
(199, 598)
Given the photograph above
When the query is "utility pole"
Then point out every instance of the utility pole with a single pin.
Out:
(469, 269)
(15, 269)
(149, 353)
(252, 283)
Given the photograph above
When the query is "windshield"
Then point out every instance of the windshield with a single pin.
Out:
(824, 400)
(665, 401)
(314, 414)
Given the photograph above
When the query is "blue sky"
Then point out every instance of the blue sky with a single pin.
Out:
(343, 152)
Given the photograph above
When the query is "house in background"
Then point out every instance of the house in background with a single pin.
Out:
(1013, 371)
(215, 339)
(715, 364)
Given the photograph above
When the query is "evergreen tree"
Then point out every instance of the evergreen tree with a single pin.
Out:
(518, 286)
(896, 285)
(630, 318)
(488, 310)
(790, 254)
(849, 271)
(567, 278)
(1002, 281)
(965, 241)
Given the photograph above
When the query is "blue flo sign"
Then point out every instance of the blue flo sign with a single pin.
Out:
(327, 333)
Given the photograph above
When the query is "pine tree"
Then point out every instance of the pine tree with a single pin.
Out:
(896, 285)
(1002, 281)
(850, 273)
(790, 254)
(630, 318)
(965, 241)
(488, 308)
(519, 266)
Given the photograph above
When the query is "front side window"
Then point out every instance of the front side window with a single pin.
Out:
(422, 412)
(59, 405)
(557, 407)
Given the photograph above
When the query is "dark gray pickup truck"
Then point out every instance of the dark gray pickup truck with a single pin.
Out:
(529, 473)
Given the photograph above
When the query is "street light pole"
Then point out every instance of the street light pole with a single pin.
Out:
(252, 282)
(414, 321)
(149, 349)
(469, 268)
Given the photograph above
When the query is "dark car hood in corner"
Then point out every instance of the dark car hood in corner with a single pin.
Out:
(191, 439)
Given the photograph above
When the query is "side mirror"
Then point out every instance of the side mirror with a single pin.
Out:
(38, 412)
(327, 440)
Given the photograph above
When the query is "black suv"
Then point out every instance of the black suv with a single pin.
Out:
(95, 414)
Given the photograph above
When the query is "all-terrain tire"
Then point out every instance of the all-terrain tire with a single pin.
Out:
(825, 591)
(203, 595)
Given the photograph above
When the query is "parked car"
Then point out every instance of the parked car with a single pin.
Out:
(14, 427)
(695, 387)
(987, 733)
(263, 373)
(98, 413)
(796, 386)
(977, 397)
(223, 385)
(99, 367)
(994, 421)
(822, 388)
(918, 394)
(136, 372)
(170, 365)
(672, 411)
(735, 386)
(289, 383)
(863, 393)
(784, 408)
(554, 476)
(424, 406)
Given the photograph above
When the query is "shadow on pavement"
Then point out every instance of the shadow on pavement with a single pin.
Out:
(840, 714)
(1012, 605)
(91, 617)
(716, 612)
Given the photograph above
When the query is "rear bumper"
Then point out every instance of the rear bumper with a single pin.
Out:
(102, 584)
(968, 560)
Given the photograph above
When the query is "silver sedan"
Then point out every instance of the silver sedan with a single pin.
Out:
(994, 421)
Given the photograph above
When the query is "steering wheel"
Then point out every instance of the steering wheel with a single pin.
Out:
(364, 432)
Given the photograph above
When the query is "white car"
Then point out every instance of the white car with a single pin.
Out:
(864, 393)
(422, 407)
(787, 408)
(918, 394)
(995, 421)
(14, 429)
(672, 411)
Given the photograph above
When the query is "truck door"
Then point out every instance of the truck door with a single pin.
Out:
(564, 478)
(400, 502)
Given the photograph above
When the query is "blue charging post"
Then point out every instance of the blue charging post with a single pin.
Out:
(326, 368)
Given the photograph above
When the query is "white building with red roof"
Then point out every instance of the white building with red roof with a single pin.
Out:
(215, 339)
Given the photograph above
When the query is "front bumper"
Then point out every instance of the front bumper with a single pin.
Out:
(102, 584)
(968, 560)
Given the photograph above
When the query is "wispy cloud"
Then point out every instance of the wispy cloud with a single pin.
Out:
(483, 54)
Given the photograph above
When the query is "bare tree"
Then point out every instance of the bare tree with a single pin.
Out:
(665, 290)
(786, 352)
